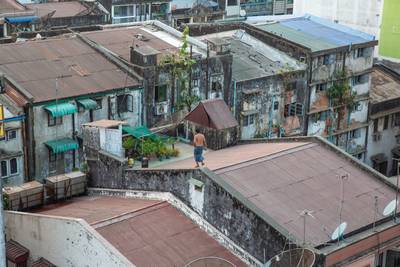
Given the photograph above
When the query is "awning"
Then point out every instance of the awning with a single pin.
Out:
(138, 131)
(62, 145)
(87, 103)
(60, 110)
(24, 19)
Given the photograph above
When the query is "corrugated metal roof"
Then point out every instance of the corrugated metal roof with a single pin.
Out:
(7, 6)
(316, 33)
(147, 232)
(383, 86)
(307, 177)
(80, 70)
(120, 40)
(63, 9)
(213, 114)
(16, 253)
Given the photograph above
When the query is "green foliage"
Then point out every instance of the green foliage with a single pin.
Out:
(180, 67)
(340, 92)
(149, 147)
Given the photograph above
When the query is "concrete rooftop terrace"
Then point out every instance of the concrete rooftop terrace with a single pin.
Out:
(284, 178)
(316, 33)
(146, 232)
(252, 59)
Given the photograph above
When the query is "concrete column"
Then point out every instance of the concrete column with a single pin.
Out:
(150, 11)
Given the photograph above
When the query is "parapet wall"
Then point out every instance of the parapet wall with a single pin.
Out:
(62, 241)
(214, 200)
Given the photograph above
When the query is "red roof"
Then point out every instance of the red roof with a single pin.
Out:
(35, 66)
(148, 233)
(212, 114)
(16, 253)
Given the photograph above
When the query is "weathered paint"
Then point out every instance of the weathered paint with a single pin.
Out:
(63, 241)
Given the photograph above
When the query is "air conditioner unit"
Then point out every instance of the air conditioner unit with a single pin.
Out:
(376, 136)
(162, 108)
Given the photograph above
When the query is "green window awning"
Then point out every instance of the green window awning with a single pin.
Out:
(62, 145)
(138, 131)
(87, 103)
(60, 110)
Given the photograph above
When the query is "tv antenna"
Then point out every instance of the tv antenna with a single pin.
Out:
(343, 178)
(305, 214)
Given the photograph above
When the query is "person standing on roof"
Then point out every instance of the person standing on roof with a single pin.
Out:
(199, 143)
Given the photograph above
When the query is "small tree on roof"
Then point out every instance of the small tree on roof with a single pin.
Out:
(180, 66)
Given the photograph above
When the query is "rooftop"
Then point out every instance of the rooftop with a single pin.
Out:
(62, 9)
(104, 123)
(36, 65)
(384, 86)
(151, 35)
(315, 33)
(252, 59)
(147, 232)
(284, 178)
(10, 6)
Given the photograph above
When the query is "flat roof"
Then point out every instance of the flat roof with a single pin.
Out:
(147, 232)
(80, 70)
(316, 33)
(252, 59)
(284, 178)
(104, 123)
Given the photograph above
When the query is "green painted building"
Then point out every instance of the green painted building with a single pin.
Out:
(389, 43)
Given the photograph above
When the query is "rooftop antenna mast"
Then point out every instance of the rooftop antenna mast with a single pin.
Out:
(304, 214)
(343, 178)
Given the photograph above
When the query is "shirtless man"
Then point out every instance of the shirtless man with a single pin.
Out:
(199, 143)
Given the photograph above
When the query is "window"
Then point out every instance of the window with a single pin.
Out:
(99, 103)
(357, 106)
(386, 122)
(359, 52)
(396, 120)
(248, 120)
(160, 94)
(13, 166)
(376, 123)
(53, 158)
(3, 168)
(293, 109)
(276, 105)
(359, 79)
(355, 133)
(216, 87)
(123, 11)
(232, 2)
(326, 60)
(321, 87)
(125, 103)
(54, 121)
(12, 134)
(195, 83)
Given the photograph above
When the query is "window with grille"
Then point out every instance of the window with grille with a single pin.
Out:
(293, 109)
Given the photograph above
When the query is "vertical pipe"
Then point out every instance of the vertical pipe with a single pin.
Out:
(2, 233)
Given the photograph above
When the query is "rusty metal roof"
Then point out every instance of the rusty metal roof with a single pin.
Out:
(384, 86)
(163, 236)
(10, 6)
(307, 177)
(35, 65)
(62, 9)
(212, 114)
(119, 40)
(16, 253)
(147, 232)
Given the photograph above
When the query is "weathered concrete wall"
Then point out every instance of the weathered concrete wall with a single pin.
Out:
(63, 241)
(68, 129)
(218, 203)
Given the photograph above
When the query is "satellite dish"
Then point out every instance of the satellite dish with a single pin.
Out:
(293, 258)
(210, 261)
(339, 231)
(390, 208)
(242, 13)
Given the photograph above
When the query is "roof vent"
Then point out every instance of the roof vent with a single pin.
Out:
(141, 37)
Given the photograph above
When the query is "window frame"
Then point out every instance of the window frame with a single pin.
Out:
(99, 102)
(8, 134)
(1, 168)
(54, 121)
(16, 167)
(124, 107)
(157, 93)
(249, 120)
